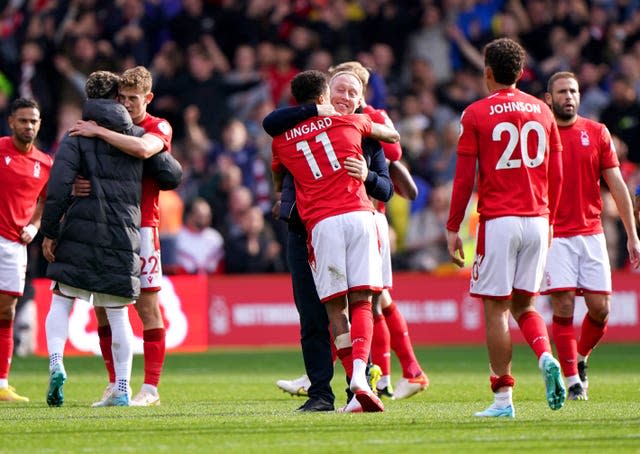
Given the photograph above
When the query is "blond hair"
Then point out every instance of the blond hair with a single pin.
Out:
(354, 67)
(138, 78)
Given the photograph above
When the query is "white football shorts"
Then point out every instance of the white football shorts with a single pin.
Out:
(510, 256)
(579, 263)
(13, 267)
(150, 263)
(345, 254)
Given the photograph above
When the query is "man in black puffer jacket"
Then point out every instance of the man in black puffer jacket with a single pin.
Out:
(92, 243)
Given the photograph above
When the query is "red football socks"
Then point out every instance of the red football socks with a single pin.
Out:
(535, 332)
(104, 334)
(347, 361)
(6, 347)
(401, 342)
(154, 353)
(381, 344)
(591, 333)
(361, 329)
(565, 339)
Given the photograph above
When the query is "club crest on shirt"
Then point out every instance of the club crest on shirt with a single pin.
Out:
(7, 160)
(584, 138)
(36, 169)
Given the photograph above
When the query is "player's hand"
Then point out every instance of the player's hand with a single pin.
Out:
(356, 167)
(324, 110)
(84, 129)
(48, 246)
(275, 209)
(28, 233)
(81, 187)
(454, 245)
(633, 248)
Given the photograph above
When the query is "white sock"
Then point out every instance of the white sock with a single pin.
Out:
(57, 327)
(542, 358)
(359, 377)
(573, 380)
(4, 383)
(582, 358)
(504, 399)
(121, 345)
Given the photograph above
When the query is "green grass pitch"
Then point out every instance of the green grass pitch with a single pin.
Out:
(227, 401)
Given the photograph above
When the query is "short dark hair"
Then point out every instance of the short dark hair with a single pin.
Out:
(307, 86)
(24, 103)
(506, 58)
(102, 85)
(560, 75)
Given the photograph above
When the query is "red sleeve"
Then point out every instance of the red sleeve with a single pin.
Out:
(555, 184)
(392, 151)
(608, 155)
(276, 166)
(462, 189)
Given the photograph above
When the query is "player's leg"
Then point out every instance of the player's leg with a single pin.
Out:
(381, 350)
(122, 349)
(560, 281)
(595, 282)
(594, 326)
(413, 378)
(529, 271)
(57, 333)
(148, 308)
(499, 347)
(314, 331)
(13, 265)
(564, 337)
(105, 339)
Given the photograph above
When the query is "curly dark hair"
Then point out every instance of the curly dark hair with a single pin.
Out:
(102, 85)
(506, 58)
(307, 86)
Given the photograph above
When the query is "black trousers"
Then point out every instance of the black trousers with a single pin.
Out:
(314, 323)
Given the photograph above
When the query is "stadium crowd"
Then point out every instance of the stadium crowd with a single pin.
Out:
(220, 66)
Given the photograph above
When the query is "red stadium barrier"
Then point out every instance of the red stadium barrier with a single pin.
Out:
(258, 310)
(183, 303)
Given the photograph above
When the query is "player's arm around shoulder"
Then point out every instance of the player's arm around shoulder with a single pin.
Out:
(384, 133)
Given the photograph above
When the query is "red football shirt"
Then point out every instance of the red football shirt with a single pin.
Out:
(24, 179)
(511, 134)
(314, 152)
(587, 150)
(149, 205)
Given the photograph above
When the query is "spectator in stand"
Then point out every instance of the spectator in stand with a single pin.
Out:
(171, 213)
(191, 23)
(253, 249)
(240, 200)
(245, 70)
(279, 75)
(425, 246)
(430, 42)
(622, 115)
(200, 248)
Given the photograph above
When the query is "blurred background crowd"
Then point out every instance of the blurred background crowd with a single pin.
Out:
(220, 66)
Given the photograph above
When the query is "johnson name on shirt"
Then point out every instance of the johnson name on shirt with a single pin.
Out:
(317, 125)
(514, 106)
